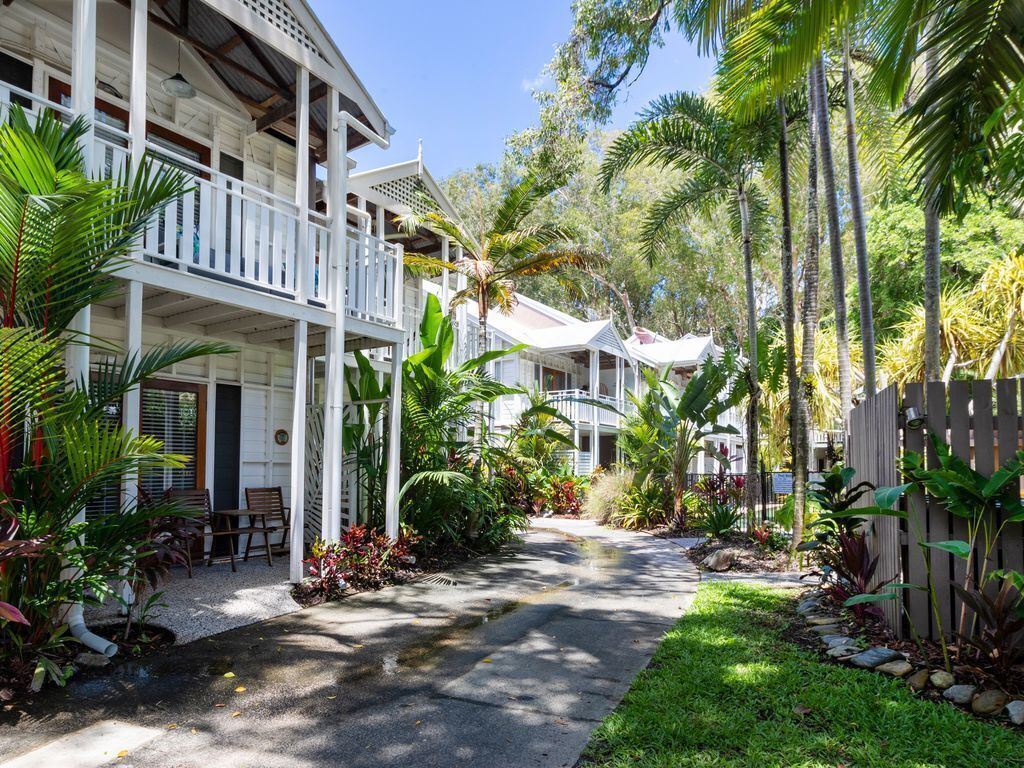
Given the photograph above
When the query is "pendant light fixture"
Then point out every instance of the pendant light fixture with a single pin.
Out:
(176, 85)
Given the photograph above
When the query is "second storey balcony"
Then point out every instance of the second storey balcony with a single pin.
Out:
(233, 231)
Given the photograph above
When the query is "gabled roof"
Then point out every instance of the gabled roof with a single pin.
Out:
(564, 333)
(252, 46)
(401, 188)
(686, 352)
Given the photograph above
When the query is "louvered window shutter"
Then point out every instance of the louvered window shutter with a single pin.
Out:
(171, 416)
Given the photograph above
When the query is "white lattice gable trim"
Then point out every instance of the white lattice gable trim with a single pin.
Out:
(402, 188)
(279, 15)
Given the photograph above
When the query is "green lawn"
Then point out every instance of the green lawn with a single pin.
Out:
(724, 689)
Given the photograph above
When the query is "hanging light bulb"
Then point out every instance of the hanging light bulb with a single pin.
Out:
(176, 85)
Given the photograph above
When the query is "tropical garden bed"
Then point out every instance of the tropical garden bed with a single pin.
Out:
(726, 688)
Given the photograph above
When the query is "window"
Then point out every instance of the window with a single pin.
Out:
(173, 412)
(18, 73)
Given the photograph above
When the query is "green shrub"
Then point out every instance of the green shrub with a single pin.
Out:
(642, 506)
(606, 489)
(719, 518)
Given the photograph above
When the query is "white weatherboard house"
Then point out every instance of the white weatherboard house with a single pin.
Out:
(684, 356)
(253, 99)
(570, 360)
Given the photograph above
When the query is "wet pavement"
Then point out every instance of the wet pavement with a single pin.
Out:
(509, 661)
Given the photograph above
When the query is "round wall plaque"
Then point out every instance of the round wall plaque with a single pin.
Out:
(281, 437)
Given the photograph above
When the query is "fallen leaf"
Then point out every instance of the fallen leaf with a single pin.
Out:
(488, 661)
(331, 698)
(800, 709)
(418, 722)
(172, 726)
(415, 621)
(229, 674)
(240, 689)
(236, 713)
(192, 730)
(123, 753)
(220, 706)
(357, 645)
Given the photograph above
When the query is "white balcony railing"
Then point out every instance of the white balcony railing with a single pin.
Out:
(570, 402)
(231, 230)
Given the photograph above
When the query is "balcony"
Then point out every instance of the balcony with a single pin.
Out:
(235, 232)
(569, 403)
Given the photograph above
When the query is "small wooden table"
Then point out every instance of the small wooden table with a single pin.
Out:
(226, 515)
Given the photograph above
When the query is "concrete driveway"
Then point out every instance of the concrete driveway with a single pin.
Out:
(509, 661)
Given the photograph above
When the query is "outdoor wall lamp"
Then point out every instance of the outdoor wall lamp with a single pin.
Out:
(914, 418)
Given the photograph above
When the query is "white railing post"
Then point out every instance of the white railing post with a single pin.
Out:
(298, 453)
(301, 268)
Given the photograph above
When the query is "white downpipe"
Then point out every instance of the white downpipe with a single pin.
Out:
(345, 118)
(76, 625)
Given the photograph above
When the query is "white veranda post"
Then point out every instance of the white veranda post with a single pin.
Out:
(337, 172)
(391, 500)
(297, 498)
(595, 370)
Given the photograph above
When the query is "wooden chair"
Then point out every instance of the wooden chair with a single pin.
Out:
(268, 503)
(199, 498)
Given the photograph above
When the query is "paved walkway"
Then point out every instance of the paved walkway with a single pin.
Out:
(513, 664)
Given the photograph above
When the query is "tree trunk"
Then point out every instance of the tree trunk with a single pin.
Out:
(867, 322)
(789, 321)
(835, 241)
(621, 295)
(753, 377)
(808, 310)
(932, 264)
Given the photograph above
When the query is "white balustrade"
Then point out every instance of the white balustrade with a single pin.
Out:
(232, 230)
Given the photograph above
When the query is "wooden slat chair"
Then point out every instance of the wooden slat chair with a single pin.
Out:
(269, 504)
(200, 498)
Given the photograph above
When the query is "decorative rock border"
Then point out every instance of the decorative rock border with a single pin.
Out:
(887, 661)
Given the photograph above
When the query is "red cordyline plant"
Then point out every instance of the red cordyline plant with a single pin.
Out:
(62, 236)
(364, 558)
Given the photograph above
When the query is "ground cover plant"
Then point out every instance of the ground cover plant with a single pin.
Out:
(727, 689)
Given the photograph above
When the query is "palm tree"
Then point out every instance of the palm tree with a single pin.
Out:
(508, 248)
(62, 238)
(775, 45)
(821, 118)
(809, 322)
(720, 157)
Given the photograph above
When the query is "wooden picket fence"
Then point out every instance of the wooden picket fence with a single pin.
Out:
(983, 428)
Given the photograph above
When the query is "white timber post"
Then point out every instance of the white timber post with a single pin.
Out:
(298, 457)
(303, 269)
(132, 404)
(462, 330)
(445, 275)
(595, 370)
(392, 504)
(337, 195)
(83, 102)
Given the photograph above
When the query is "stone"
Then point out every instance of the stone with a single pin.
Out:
(941, 679)
(919, 680)
(833, 641)
(989, 703)
(895, 668)
(818, 621)
(809, 605)
(1015, 711)
(86, 659)
(721, 560)
(843, 651)
(874, 657)
(959, 694)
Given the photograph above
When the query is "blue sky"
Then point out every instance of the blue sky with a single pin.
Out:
(457, 73)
